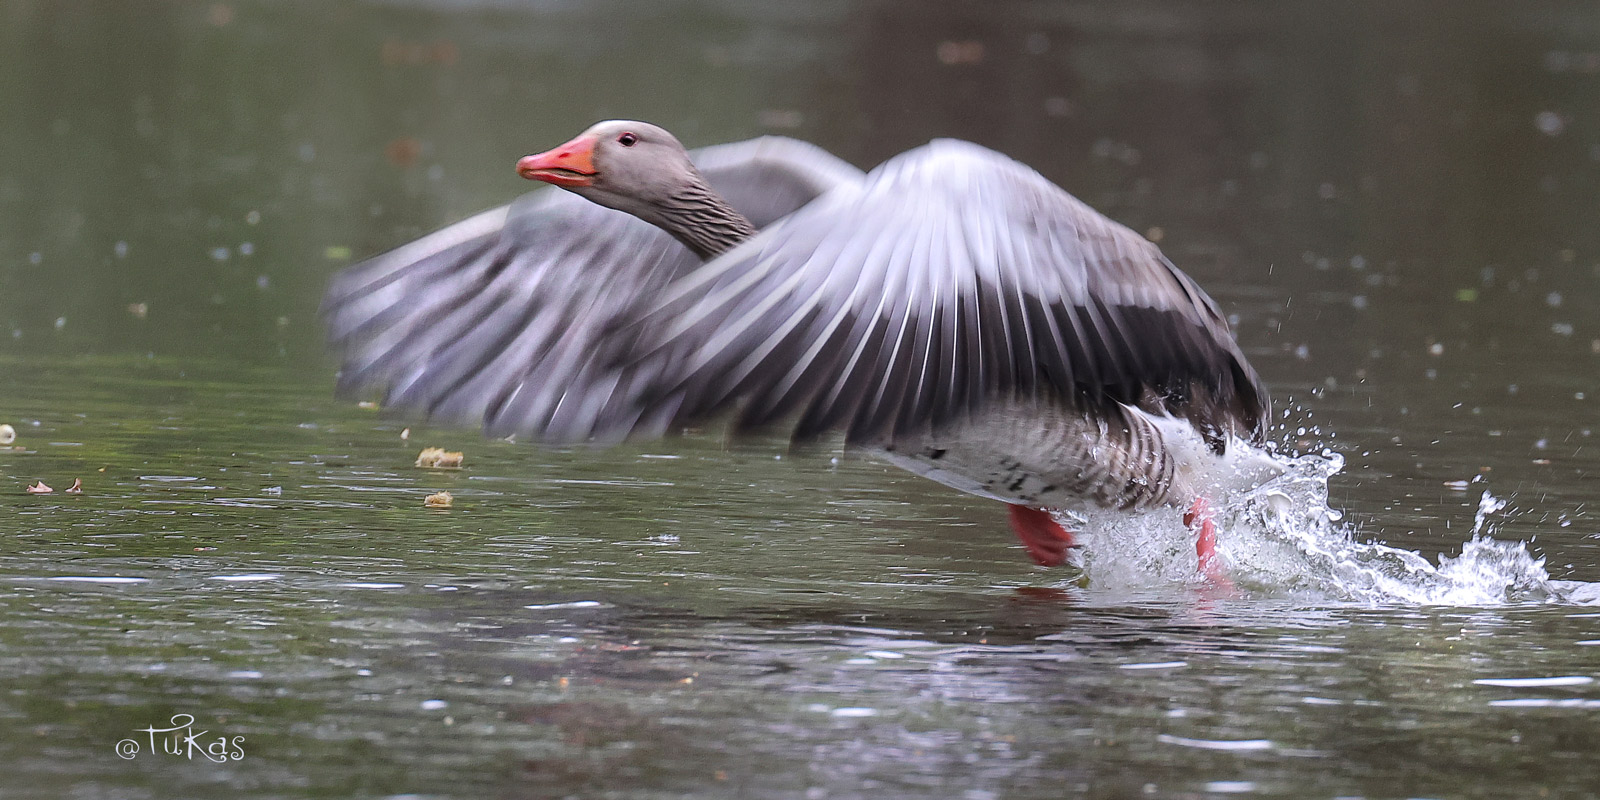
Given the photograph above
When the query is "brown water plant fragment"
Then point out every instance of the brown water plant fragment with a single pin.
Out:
(438, 458)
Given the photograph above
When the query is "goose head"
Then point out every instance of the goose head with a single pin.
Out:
(631, 166)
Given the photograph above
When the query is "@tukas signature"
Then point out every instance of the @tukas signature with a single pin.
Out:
(183, 741)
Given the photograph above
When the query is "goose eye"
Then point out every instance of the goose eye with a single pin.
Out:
(627, 140)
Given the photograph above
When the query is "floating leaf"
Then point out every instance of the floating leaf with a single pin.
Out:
(438, 458)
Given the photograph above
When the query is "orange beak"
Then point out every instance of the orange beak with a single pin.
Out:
(571, 164)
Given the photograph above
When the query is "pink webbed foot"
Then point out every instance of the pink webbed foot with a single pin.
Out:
(1047, 542)
(1198, 519)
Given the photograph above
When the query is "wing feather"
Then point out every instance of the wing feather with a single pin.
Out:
(498, 318)
(951, 277)
(884, 306)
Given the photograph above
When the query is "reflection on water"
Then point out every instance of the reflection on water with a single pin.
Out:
(738, 623)
(1395, 202)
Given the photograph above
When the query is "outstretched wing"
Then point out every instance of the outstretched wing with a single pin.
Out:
(951, 276)
(514, 302)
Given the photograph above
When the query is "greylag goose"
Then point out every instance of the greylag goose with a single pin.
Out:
(952, 312)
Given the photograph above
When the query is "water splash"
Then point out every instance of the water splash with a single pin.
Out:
(1281, 539)
(1487, 504)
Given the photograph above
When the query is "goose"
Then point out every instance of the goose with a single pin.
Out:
(951, 312)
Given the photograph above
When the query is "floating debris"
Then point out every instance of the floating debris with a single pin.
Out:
(368, 404)
(1550, 123)
(219, 15)
(39, 488)
(780, 118)
(438, 458)
(439, 500)
(962, 54)
(401, 52)
(404, 151)
(76, 487)
(8, 434)
(405, 434)
(139, 310)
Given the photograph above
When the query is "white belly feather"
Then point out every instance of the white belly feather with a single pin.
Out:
(1052, 457)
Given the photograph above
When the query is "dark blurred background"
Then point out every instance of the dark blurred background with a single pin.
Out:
(1397, 201)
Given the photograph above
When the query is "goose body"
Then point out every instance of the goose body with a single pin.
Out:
(951, 311)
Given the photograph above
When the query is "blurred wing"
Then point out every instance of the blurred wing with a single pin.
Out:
(951, 276)
(514, 302)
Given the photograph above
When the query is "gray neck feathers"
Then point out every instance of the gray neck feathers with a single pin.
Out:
(703, 221)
